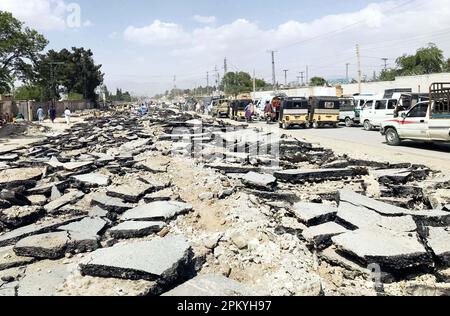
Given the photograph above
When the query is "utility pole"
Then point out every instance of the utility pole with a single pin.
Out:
(358, 57)
(307, 75)
(254, 82)
(225, 71)
(207, 82)
(302, 73)
(298, 81)
(385, 62)
(346, 72)
(285, 76)
(274, 78)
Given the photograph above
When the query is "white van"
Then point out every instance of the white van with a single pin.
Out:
(377, 111)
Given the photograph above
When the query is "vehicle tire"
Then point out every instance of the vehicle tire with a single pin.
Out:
(392, 137)
(348, 122)
(367, 126)
(281, 125)
(315, 125)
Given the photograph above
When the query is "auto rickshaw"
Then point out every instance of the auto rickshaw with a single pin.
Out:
(324, 111)
(239, 107)
(221, 108)
(294, 112)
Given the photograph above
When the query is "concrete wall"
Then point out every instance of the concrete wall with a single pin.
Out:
(416, 83)
(60, 107)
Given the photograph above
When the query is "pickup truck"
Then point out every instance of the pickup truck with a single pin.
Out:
(426, 122)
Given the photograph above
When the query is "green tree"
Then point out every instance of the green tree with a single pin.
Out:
(29, 92)
(388, 75)
(425, 61)
(235, 83)
(19, 50)
(75, 70)
(317, 81)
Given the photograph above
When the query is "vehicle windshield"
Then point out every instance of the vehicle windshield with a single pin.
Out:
(302, 104)
(242, 104)
(329, 104)
(347, 105)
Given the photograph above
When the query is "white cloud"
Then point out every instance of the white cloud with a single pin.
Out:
(88, 23)
(205, 19)
(158, 34)
(40, 14)
(113, 35)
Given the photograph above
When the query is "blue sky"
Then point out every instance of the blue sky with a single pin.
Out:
(143, 44)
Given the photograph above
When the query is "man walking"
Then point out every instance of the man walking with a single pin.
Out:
(67, 115)
(52, 114)
(41, 115)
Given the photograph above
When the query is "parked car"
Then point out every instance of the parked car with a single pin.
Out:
(221, 108)
(377, 111)
(427, 121)
(294, 112)
(349, 113)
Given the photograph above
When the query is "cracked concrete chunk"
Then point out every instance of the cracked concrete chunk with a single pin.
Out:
(69, 198)
(14, 198)
(136, 229)
(130, 192)
(320, 236)
(211, 285)
(439, 241)
(447, 208)
(110, 204)
(45, 246)
(259, 181)
(18, 216)
(157, 260)
(39, 200)
(9, 259)
(162, 210)
(162, 195)
(312, 214)
(45, 278)
(13, 236)
(355, 217)
(93, 179)
(389, 249)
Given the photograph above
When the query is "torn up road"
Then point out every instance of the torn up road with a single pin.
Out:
(175, 204)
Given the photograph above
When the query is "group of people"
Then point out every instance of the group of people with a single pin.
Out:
(52, 114)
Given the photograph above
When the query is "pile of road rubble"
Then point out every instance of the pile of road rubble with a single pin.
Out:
(172, 204)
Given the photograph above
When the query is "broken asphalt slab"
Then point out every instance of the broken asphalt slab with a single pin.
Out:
(389, 249)
(18, 216)
(259, 181)
(93, 179)
(19, 176)
(13, 236)
(110, 204)
(356, 217)
(439, 242)
(132, 191)
(312, 214)
(211, 285)
(299, 176)
(157, 211)
(9, 259)
(320, 236)
(159, 260)
(135, 229)
(69, 198)
(45, 246)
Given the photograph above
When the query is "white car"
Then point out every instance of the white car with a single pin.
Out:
(423, 123)
(377, 111)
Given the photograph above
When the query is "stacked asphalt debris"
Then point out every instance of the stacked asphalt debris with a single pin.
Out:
(174, 204)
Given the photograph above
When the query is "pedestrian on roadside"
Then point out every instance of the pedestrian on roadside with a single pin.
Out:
(67, 115)
(41, 115)
(52, 114)
(248, 112)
